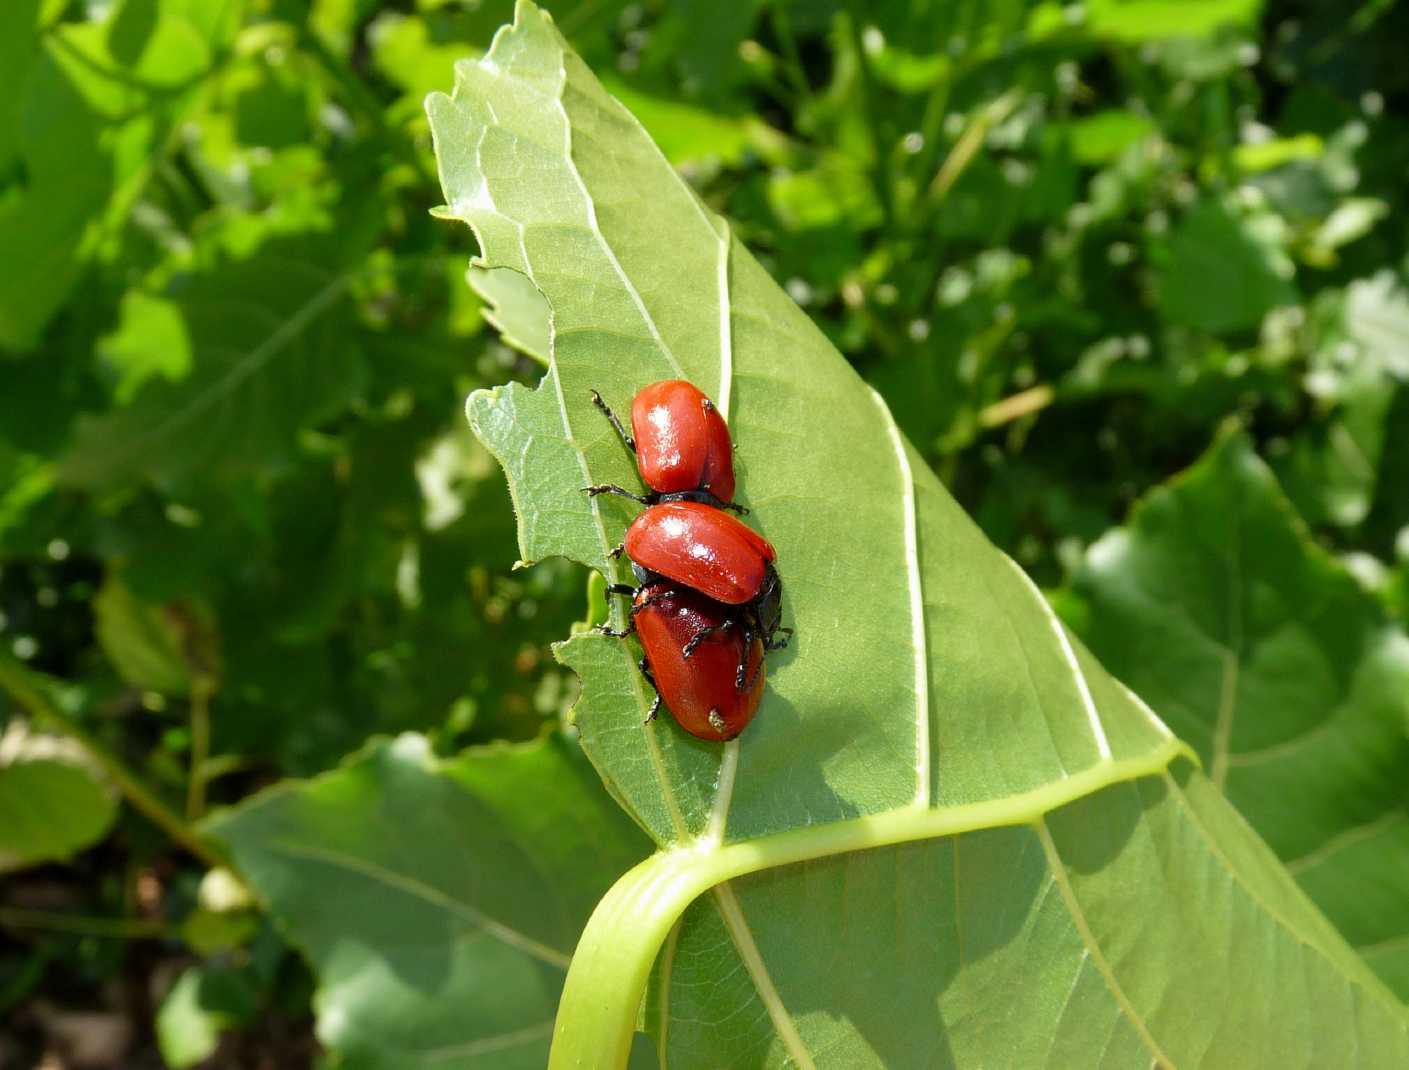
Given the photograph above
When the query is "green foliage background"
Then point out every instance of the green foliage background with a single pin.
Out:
(244, 529)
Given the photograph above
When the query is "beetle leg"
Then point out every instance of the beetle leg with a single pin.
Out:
(733, 507)
(617, 550)
(619, 633)
(612, 488)
(704, 496)
(645, 667)
(607, 412)
(779, 644)
(702, 634)
(654, 599)
(743, 679)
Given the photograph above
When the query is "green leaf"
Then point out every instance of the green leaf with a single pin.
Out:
(516, 309)
(835, 191)
(1358, 351)
(438, 901)
(686, 133)
(406, 50)
(19, 49)
(204, 1001)
(49, 810)
(87, 109)
(1266, 655)
(944, 801)
(1265, 155)
(150, 340)
(1215, 276)
(1331, 471)
(270, 353)
(1377, 319)
(145, 643)
(1146, 20)
(1100, 138)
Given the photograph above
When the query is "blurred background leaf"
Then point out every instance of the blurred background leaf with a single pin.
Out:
(1066, 242)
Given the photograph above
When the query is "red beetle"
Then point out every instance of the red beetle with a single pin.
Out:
(709, 551)
(701, 547)
(708, 671)
(682, 446)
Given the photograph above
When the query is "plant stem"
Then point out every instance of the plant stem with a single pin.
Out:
(82, 925)
(970, 141)
(21, 684)
(1024, 403)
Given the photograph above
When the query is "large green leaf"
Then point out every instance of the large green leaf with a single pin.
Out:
(270, 351)
(87, 106)
(1215, 276)
(1264, 653)
(438, 901)
(145, 643)
(943, 793)
(49, 809)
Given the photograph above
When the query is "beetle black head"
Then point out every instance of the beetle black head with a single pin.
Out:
(768, 605)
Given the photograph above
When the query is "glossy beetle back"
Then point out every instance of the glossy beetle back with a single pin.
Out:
(700, 691)
(682, 442)
(700, 547)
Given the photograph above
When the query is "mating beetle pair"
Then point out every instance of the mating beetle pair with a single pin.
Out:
(709, 604)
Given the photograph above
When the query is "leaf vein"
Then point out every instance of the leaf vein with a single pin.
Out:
(427, 893)
(1093, 947)
(733, 914)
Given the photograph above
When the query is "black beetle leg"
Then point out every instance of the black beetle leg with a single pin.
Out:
(700, 636)
(621, 492)
(645, 667)
(780, 644)
(743, 679)
(607, 412)
(654, 599)
(615, 633)
(733, 507)
(704, 496)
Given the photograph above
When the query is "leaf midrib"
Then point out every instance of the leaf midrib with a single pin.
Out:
(600, 1000)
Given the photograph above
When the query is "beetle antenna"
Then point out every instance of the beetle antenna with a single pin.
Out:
(607, 412)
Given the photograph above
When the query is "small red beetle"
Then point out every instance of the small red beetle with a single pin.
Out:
(682, 446)
(709, 551)
(700, 547)
(709, 674)
(710, 602)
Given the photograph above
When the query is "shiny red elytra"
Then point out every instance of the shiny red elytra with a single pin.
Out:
(682, 446)
(682, 443)
(709, 606)
(701, 687)
(701, 547)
